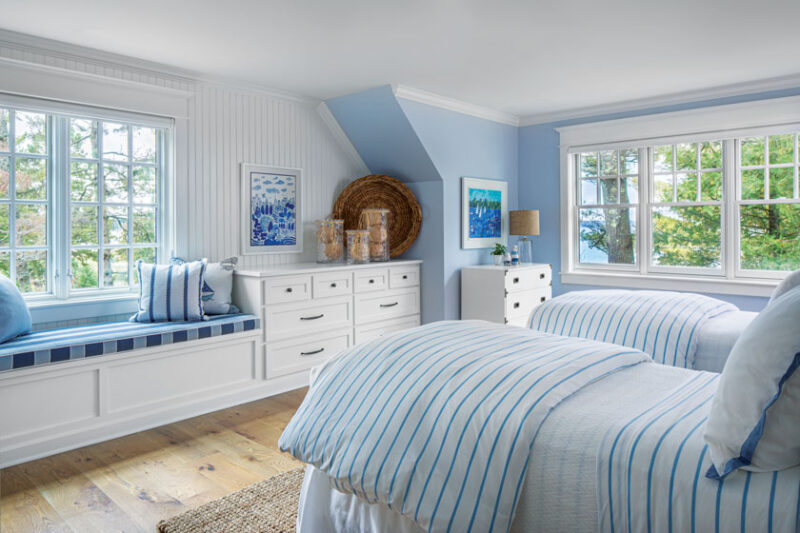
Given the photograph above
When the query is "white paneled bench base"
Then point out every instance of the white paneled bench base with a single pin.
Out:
(50, 407)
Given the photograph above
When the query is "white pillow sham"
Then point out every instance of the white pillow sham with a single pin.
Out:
(789, 282)
(754, 423)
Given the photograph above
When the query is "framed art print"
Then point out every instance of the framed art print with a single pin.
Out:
(484, 212)
(272, 217)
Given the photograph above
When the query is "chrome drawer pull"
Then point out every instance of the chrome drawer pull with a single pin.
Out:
(288, 289)
(390, 305)
(315, 352)
(311, 317)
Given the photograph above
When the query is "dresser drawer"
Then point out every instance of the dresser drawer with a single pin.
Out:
(527, 278)
(523, 303)
(295, 355)
(288, 320)
(287, 289)
(333, 284)
(386, 305)
(520, 321)
(373, 331)
(373, 279)
(400, 277)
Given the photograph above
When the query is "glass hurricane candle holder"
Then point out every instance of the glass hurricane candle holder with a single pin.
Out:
(376, 222)
(330, 240)
(357, 246)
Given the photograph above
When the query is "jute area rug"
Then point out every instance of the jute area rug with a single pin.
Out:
(269, 506)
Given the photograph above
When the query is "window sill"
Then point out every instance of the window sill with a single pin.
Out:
(44, 310)
(742, 287)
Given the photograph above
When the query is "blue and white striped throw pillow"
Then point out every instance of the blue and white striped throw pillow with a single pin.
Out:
(170, 293)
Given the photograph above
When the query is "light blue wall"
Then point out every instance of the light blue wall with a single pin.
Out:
(430, 149)
(462, 145)
(539, 171)
(384, 138)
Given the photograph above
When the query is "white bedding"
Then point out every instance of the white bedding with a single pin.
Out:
(716, 338)
(559, 493)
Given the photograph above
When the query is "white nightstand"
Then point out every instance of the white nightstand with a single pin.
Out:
(504, 294)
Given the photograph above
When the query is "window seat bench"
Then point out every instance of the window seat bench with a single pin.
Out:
(78, 342)
(67, 388)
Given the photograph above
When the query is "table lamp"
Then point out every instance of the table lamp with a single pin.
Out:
(525, 223)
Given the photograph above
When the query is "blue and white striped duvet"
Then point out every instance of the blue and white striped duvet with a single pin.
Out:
(437, 422)
(660, 323)
(651, 474)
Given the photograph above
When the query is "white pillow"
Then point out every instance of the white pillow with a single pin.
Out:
(217, 286)
(217, 289)
(789, 282)
(754, 422)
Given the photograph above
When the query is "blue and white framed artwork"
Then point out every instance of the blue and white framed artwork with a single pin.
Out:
(484, 212)
(272, 219)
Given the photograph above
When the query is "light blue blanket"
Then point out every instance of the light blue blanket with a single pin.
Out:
(651, 474)
(438, 422)
(661, 323)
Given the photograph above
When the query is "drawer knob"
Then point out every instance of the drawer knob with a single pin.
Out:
(544, 298)
(390, 305)
(372, 281)
(405, 276)
(288, 289)
(312, 317)
(541, 276)
(516, 305)
(516, 280)
(315, 352)
(333, 285)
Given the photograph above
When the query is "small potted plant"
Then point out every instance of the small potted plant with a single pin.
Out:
(498, 253)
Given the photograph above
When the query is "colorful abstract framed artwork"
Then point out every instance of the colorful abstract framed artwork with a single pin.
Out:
(484, 212)
(272, 216)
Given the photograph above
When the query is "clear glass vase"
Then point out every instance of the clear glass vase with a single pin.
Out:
(376, 222)
(330, 240)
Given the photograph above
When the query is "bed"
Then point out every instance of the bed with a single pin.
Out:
(609, 441)
(678, 329)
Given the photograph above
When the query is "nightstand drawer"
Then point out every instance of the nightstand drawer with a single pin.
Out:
(527, 278)
(374, 279)
(282, 321)
(296, 355)
(522, 303)
(287, 289)
(386, 305)
(333, 284)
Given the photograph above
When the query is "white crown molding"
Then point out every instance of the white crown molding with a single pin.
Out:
(108, 60)
(425, 97)
(686, 97)
(341, 137)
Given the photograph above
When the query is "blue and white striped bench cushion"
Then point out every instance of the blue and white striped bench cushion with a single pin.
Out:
(66, 344)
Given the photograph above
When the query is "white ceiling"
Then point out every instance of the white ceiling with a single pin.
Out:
(514, 56)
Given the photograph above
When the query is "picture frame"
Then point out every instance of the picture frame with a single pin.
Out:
(484, 212)
(271, 209)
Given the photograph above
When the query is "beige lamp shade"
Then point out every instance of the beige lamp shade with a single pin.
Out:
(524, 222)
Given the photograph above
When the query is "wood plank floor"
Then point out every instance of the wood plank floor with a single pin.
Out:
(129, 484)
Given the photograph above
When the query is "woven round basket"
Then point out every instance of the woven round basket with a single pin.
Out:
(378, 191)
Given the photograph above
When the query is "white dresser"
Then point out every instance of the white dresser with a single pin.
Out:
(504, 294)
(311, 311)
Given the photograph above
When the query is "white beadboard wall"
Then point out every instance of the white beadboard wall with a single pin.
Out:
(228, 123)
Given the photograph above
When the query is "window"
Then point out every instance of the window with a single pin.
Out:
(80, 200)
(768, 204)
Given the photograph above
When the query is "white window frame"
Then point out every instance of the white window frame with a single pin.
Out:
(93, 302)
(725, 123)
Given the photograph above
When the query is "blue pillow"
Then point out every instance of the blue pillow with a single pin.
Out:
(15, 319)
(170, 293)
